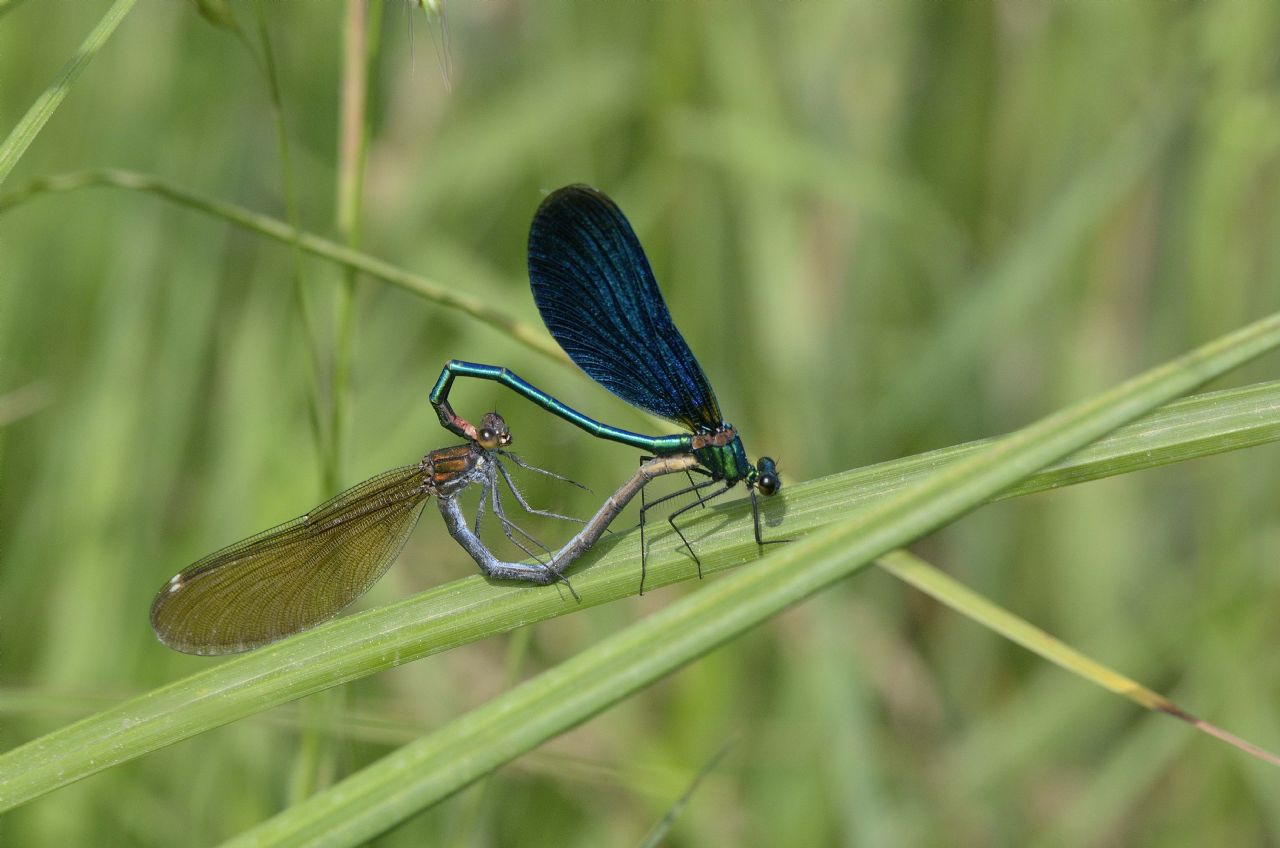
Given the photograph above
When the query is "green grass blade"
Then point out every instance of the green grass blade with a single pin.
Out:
(434, 767)
(1203, 425)
(656, 837)
(918, 573)
(274, 228)
(46, 104)
(470, 609)
(7, 6)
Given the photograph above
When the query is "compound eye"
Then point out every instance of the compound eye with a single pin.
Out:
(767, 480)
(768, 483)
(487, 438)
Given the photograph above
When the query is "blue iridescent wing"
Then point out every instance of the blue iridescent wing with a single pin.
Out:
(598, 297)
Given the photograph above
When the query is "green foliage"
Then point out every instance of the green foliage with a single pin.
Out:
(217, 12)
(20, 138)
(472, 609)
(883, 227)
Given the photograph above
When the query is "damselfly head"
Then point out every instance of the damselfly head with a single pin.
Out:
(492, 432)
(767, 481)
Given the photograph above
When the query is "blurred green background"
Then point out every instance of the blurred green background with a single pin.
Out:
(883, 227)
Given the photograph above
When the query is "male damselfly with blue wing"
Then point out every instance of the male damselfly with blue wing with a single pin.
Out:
(598, 297)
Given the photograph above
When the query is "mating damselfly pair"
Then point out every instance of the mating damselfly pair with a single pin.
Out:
(599, 299)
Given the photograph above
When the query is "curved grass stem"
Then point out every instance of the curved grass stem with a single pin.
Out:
(265, 225)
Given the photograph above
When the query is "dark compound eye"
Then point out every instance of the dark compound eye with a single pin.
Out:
(768, 484)
(767, 480)
(487, 438)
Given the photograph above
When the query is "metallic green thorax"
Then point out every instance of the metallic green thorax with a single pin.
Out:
(727, 462)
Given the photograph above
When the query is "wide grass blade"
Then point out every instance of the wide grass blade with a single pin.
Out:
(12, 148)
(472, 608)
(7, 6)
(434, 767)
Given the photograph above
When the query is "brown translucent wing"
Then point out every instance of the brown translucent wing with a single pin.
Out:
(294, 576)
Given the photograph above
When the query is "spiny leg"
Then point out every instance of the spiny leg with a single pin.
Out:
(508, 526)
(643, 459)
(755, 518)
(701, 501)
(480, 507)
(524, 504)
(645, 507)
(681, 492)
(527, 467)
(689, 474)
(565, 580)
(489, 493)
